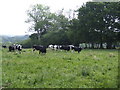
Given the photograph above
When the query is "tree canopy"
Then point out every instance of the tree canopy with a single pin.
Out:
(97, 23)
(100, 22)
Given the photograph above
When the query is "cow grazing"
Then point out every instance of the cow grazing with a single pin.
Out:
(77, 48)
(41, 48)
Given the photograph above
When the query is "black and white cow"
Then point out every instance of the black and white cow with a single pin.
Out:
(14, 47)
(71, 47)
(19, 47)
(65, 47)
(54, 47)
(42, 49)
(51, 46)
(57, 47)
(75, 48)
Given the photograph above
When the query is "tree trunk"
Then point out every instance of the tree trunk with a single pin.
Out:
(38, 34)
(92, 45)
(85, 45)
(101, 40)
(101, 46)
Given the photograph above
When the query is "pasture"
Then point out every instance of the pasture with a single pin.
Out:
(60, 69)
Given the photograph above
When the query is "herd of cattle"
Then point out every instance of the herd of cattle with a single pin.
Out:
(14, 47)
(42, 49)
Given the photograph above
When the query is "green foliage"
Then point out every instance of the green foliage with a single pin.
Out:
(44, 23)
(43, 20)
(27, 43)
(39, 16)
(98, 21)
(60, 69)
(55, 37)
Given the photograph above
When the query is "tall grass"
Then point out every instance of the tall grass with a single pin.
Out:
(60, 69)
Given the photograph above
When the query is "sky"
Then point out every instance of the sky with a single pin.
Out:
(13, 13)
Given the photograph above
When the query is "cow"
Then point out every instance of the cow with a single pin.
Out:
(75, 48)
(14, 47)
(65, 47)
(71, 47)
(4, 46)
(57, 47)
(42, 49)
(54, 47)
(51, 47)
(19, 47)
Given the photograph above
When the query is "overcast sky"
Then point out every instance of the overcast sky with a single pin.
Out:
(13, 13)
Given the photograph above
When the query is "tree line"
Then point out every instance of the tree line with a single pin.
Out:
(97, 24)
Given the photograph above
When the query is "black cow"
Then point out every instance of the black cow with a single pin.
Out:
(12, 48)
(65, 47)
(41, 48)
(77, 48)
(4, 46)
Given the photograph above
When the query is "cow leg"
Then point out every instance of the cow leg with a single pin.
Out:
(33, 49)
(78, 51)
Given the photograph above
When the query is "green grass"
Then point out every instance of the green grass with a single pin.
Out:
(60, 69)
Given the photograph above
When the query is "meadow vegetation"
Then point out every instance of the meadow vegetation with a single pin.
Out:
(60, 69)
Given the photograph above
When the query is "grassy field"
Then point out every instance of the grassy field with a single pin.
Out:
(60, 69)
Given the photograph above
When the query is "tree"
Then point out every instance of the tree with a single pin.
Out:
(55, 37)
(59, 22)
(112, 22)
(39, 17)
(99, 22)
(43, 20)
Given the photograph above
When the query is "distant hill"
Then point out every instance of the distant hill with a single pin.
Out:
(12, 39)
